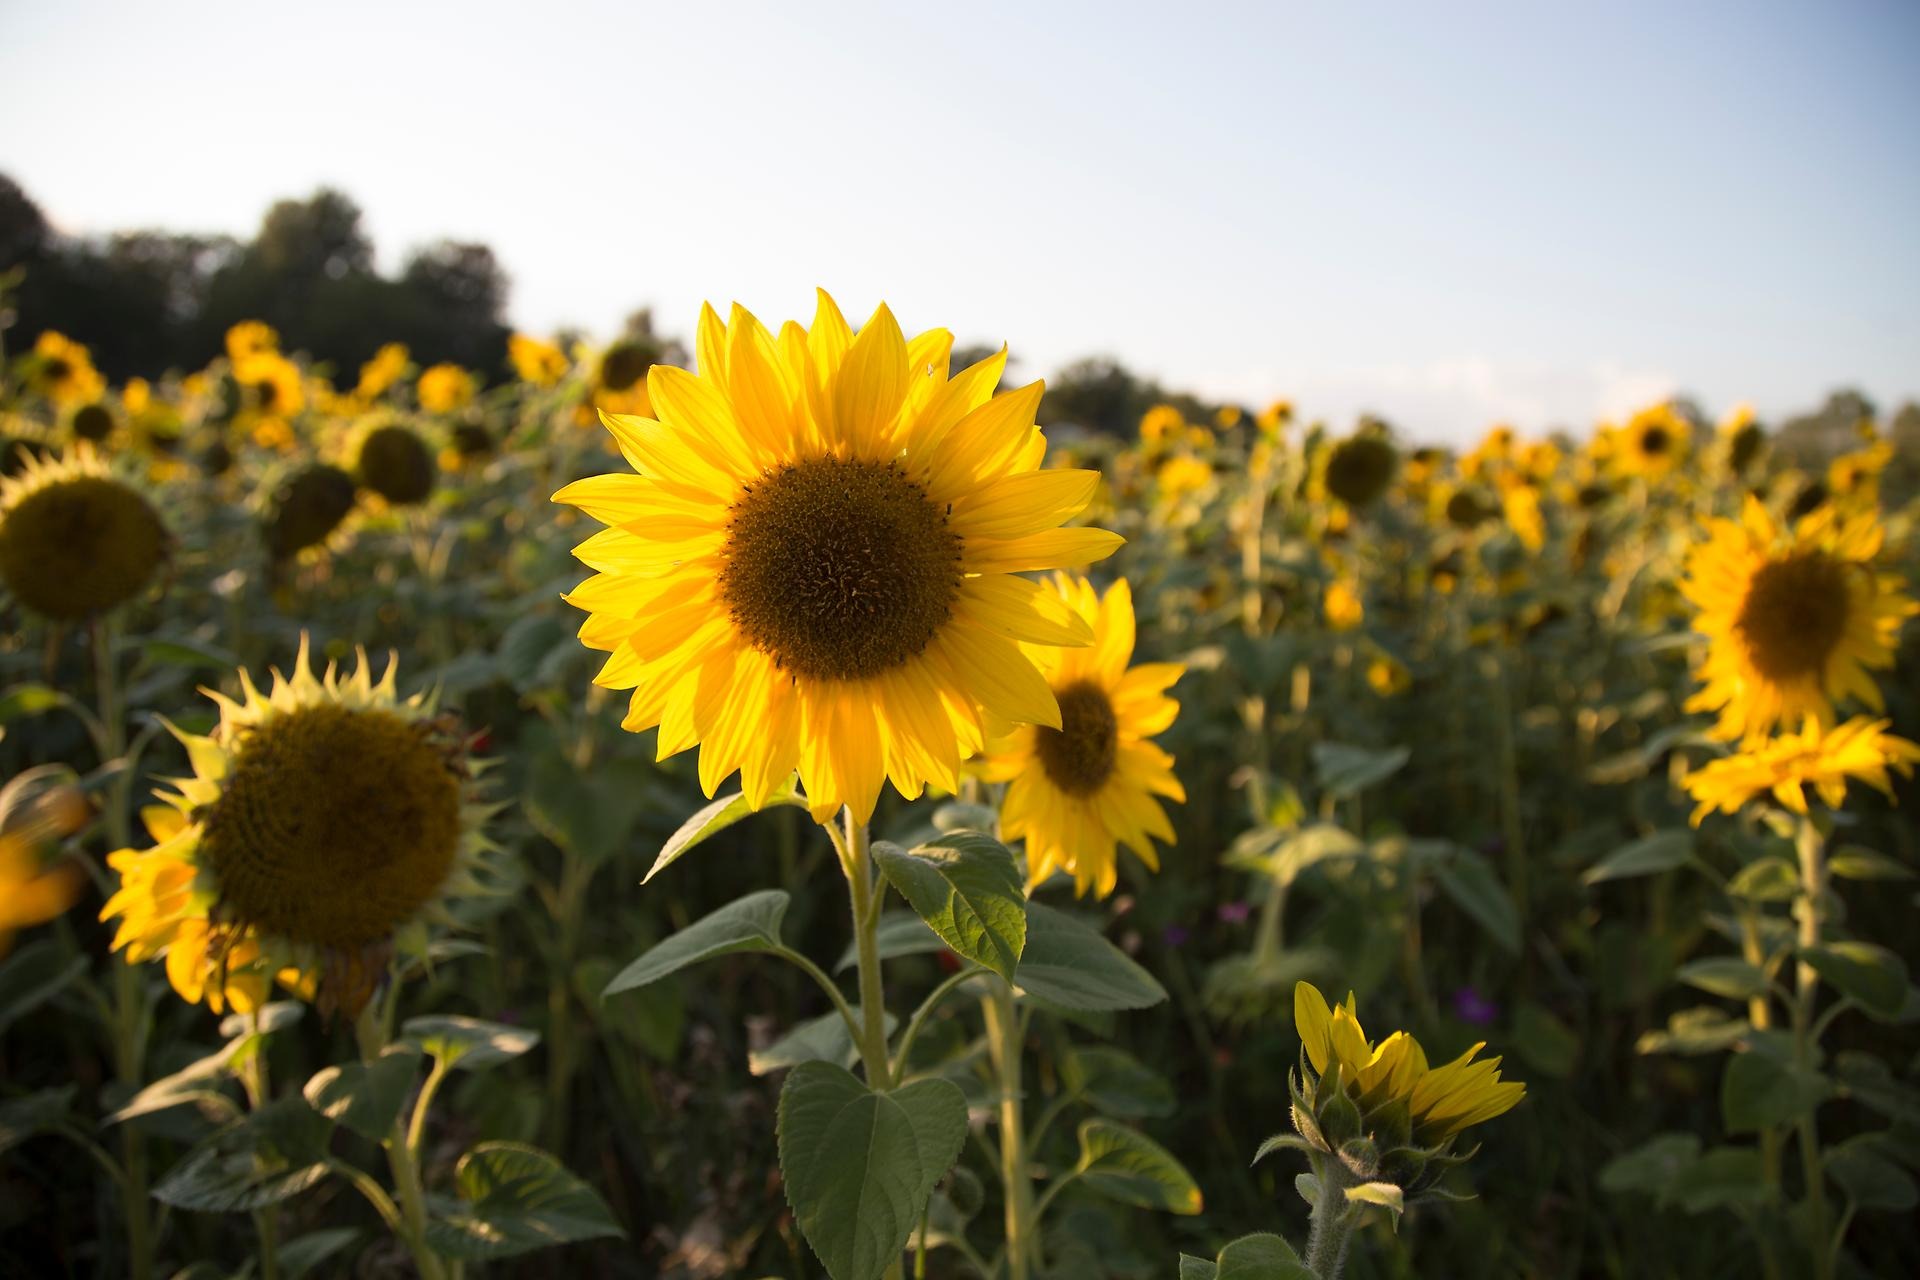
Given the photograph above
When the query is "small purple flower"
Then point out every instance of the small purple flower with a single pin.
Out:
(1235, 912)
(1176, 935)
(1473, 1008)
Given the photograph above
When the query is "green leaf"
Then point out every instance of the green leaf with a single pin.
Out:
(1724, 1178)
(591, 815)
(1345, 770)
(1547, 1044)
(1260, 1257)
(366, 1097)
(1702, 1029)
(1651, 1167)
(28, 700)
(751, 923)
(959, 815)
(276, 1015)
(1283, 1142)
(302, 1254)
(1769, 879)
(1761, 1089)
(524, 647)
(272, 1155)
(1476, 889)
(821, 1039)
(1851, 862)
(1067, 963)
(468, 1044)
(967, 887)
(1130, 1167)
(860, 1165)
(23, 1117)
(899, 933)
(34, 975)
(1724, 976)
(1873, 976)
(714, 819)
(1192, 1268)
(192, 1084)
(1384, 1194)
(177, 652)
(1872, 1180)
(515, 1199)
(1649, 855)
(1115, 1083)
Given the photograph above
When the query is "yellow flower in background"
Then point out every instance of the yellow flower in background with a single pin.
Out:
(445, 388)
(136, 396)
(75, 540)
(1493, 453)
(62, 370)
(1181, 476)
(1814, 757)
(251, 338)
(620, 381)
(33, 889)
(1440, 1101)
(1740, 439)
(1342, 605)
(388, 366)
(1359, 468)
(815, 564)
(1388, 676)
(1161, 425)
(1653, 442)
(273, 386)
(1227, 417)
(1273, 419)
(1520, 502)
(1856, 476)
(1076, 793)
(328, 824)
(1794, 619)
(537, 362)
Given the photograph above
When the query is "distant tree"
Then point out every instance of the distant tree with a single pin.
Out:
(1097, 393)
(1813, 439)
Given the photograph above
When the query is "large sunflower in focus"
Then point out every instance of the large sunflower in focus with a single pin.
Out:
(1075, 792)
(1795, 619)
(329, 823)
(814, 565)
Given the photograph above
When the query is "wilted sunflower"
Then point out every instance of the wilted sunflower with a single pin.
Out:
(396, 464)
(1795, 619)
(445, 388)
(1360, 468)
(1814, 757)
(1653, 442)
(540, 363)
(1439, 1101)
(328, 825)
(307, 508)
(75, 541)
(815, 564)
(1075, 793)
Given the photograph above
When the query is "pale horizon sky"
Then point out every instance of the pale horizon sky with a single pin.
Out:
(1447, 215)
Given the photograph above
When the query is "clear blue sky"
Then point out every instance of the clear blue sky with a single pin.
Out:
(1448, 213)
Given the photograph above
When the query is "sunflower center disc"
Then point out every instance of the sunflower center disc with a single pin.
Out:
(80, 546)
(333, 826)
(1079, 755)
(1654, 442)
(1794, 615)
(839, 570)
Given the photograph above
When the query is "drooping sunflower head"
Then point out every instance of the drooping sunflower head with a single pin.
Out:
(1795, 619)
(307, 508)
(396, 463)
(815, 565)
(75, 540)
(1078, 791)
(1360, 468)
(328, 824)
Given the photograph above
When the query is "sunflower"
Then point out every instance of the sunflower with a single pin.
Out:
(1814, 757)
(250, 339)
(1653, 442)
(620, 382)
(396, 464)
(1075, 793)
(1273, 419)
(76, 541)
(1795, 619)
(815, 564)
(328, 825)
(307, 508)
(1440, 1101)
(1360, 468)
(388, 366)
(274, 393)
(33, 888)
(62, 370)
(445, 388)
(1161, 425)
(1341, 604)
(537, 362)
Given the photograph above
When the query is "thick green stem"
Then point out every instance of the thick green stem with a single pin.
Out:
(1266, 937)
(1330, 1228)
(1003, 1046)
(253, 1080)
(866, 922)
(400, 1159)
(1811, 846)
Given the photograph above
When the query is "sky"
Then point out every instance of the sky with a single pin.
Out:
(1448, 215)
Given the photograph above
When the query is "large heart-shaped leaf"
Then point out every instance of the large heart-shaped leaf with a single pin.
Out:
(751, 923)
(1260, 1257)
(515, 1199)
(967, 887)
(1067, 963)
(366, 1097)
(860, 1165)
(1874, 976)
(1132, 1168)
(275, 1153)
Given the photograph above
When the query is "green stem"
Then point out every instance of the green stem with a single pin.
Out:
(253, 1080)
(1003, 1047)
(1266, 937)
(128, 991)
(1811, 847)
(1331, 1224)
(866, 922)
(920, 1015)
(1760, 1014)
(400, 1160)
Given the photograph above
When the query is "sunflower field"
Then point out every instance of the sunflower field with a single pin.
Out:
(811, 808)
